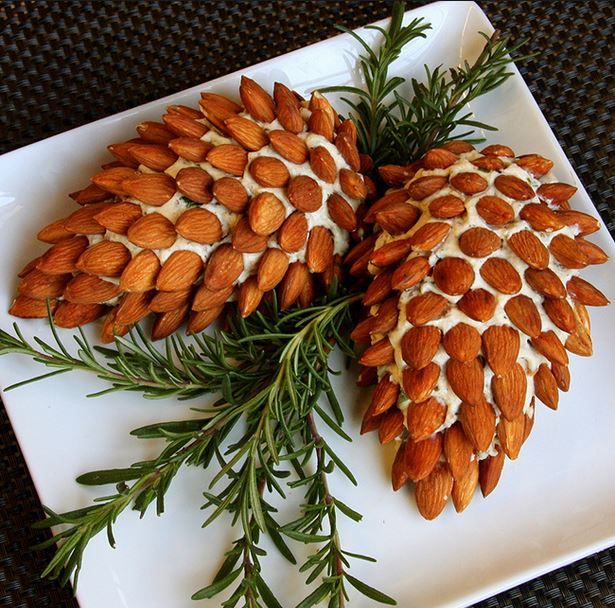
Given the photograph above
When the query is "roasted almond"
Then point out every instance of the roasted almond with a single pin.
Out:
(423, 187)
(410, 273)
(266, 213)
(393, 197)
(549, 345)
(386, 317)
(304, 193)
(40, 286)
(465, 487)
(155, 132)
(30, 308)
(200, 226)
(540, 217)
(489, 163)
(132, 308)
(458, 147)
(323, 164)
(501, 275)
(256, 100)
(462, 342)
(292, 284)
(489, 472)
(429, 235)
(198, 321)
(584, 292)
(466, 380)
(230, 193)
(396, 175)
(498, 150)
(379, 289)
(594, 254)
(288, 145)
(397, 218)
(585, 223)
(568, 252)
(141, 272)
(534, 164)
(223, 267)
(153, 156)
(500, 347)
(514, 188)
(289, 116)
(545, 387)
(391, 253)
(246, 132)
(419, 345)
(391, 426)
(529, 248)
(245, 240)
(458, 450)
(106, 258)
(419, 383)
(399, 476)
(119, 217)
(88, 289)
(90, 194)
(511, 434)
(293, 232)
(479, 242)
(509, 389)
(561, 373)
(494, 210)
(169, 322)
(341, 212)
(165, 301)
(561, 313)
(439, 158)
(195, 183)
(54, 232)
(446, 207)
(523, 313)
(556, 194)
(469, 183)
(70, 315)
(453, 276)
(249, 296)
(379, 353)
(352, 184)
(384, 396)
(347, 147)
(422, 456)
(545, 282)
(83, 221)
(321, 123)
(478, 422)
(184, 111)
(433, 491)
(269, 172)
(229, 158)
(62, 257)
(181, 269)
(271, 269)
(150, 188)
(319, 250)
(423, 419)
(152, 231)
(478, 304)
(425, 307)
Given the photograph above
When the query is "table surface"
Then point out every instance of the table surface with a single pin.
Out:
(64, 64)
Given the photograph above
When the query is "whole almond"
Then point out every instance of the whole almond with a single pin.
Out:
(422, 456)
(106, 258)
(40, 286)
(410, 273)
(386, 317)
(523, 313)
(229, 158)
(593, 253)
(419, 345)
(469, 183)
(465, 487)
(391, 426)
(122, 152)
(293, 232)
(514, 188)
(393, 197)
(292, 284)
(479, 242)
(561, 313)
(200, 226)
(478, 422)
(494, 210)
(397, 217)
(269, 172)
(556, 193)
(271, 269)
(379, 289)
(368, 376)
(245, 240)
(466, 380)
(545, 387)
(249, 296)
(320, 102)
(29, 267)
(396, 175)
(489, 163)
(347, 147)
(223, 268)
(152, 231)
(439, 158)
(501, 275)
(321, 123)
(540, 217)
(62, 257)
(153, 156)
(83, 221)
(180, 271)
(423, 187)
(133, 307)
(490, 470)
(70, 315)
(352, 184)
(150, 188)
(54, 232)
(319, 250)
(231, 193)
(579, 342)
(423, 419)
(511, 434)
(155, 132)
(478, 304)
(246, 132)
(391, 253)
(256, 100)
(545, 282)
(446, 207)
(433, 491)
(165, 301)
(462, 342)
(534, 164)
(561, 373)
(205, 299)
(384, 396)
(289, 116)
(399, 476)
(169, 322)
(458, 450)
(218, 107)
(568, 252)
(509, 391)
(191, 148)
(429, 235)
(198, 321)
(119, 217)
(30, 308)
(185, 126)
(266, 213)
(288, 145)
(88, 289)
(141, 272)
(458, 147)
(586, 224)
(498, 150)
(453, 276)
(549, 345)
(419, 383)
(584, 292)
(323, 164)
(341, 212)
(500, 347)
(425, 307)
(90, 194)
(195, 183)
(304, 193)
(529, 248)
(379, 353)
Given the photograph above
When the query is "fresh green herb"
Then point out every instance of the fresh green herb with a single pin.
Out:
(188, 201)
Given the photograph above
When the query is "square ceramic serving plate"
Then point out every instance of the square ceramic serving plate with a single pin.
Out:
(554, 505)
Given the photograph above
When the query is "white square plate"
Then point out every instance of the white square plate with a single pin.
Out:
(554, 505)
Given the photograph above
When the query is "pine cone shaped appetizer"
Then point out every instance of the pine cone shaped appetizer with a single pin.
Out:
(224, 203)
(474, 306)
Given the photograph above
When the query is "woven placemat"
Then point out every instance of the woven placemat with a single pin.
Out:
(64, 64)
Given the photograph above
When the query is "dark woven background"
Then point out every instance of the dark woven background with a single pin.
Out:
(63, 64)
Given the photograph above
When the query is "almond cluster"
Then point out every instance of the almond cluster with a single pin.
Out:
(223, 203)
(474, 306)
